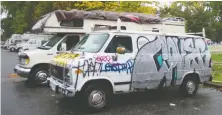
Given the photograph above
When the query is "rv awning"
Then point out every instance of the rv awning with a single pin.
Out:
(106, 15)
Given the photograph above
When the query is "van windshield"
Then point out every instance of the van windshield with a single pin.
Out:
(52, 41)
(91, 43)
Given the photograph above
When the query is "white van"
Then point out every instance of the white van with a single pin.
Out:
(34, 64)
(112, 62)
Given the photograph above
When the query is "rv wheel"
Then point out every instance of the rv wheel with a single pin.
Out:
(38, 76)
(189, 86)
(19, 50)
(12, 49)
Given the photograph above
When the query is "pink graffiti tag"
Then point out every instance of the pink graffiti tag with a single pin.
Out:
(103, 58)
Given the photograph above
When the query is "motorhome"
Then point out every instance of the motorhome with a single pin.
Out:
(69, 28)
(108, 62)
(14, 39)
(32, 42)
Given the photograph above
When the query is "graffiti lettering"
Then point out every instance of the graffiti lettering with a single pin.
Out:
(103, 58)
(117, 67)
(169, 58)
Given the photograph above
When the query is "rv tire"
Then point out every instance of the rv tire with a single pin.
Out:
(12, 49)
(38, 76)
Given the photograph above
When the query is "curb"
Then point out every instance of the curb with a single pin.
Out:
(212, 84)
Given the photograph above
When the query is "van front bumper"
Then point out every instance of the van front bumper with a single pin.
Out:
(22, 72)
(58, 87)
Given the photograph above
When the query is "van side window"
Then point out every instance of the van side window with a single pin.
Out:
(70, 41)
(120, 41)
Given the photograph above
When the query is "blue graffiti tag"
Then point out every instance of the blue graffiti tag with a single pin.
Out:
(118, 67)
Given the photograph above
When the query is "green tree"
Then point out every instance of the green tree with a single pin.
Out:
(198, 15)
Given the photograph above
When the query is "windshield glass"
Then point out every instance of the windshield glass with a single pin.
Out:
(51, 42)
(91, 43)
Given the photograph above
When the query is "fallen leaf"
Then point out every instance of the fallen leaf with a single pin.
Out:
(172, 104)
(196, 108)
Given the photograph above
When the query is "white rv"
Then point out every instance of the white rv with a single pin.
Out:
(33, 42)
(71, 26)
(14, 39)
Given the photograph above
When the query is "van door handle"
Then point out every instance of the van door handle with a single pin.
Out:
(50, 54)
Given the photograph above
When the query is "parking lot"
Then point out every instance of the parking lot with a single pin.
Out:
(17, 99)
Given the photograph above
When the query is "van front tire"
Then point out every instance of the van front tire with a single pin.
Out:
(38, 76)
(189, 86)
(95, 97)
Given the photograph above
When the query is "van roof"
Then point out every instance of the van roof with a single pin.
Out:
(144, 32)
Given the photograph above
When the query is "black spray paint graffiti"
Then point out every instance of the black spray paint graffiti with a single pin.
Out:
(91, 67)
(169, 58)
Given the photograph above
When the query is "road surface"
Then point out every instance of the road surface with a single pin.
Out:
(17, 99)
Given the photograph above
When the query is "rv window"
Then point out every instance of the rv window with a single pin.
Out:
(115, 27)
(120, 41)
(18, 41)
(91, 43)
(73, 23)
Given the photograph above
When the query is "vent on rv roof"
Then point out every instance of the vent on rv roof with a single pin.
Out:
(72, 23)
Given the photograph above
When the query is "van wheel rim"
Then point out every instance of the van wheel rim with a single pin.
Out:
(190, 87)
(97, 99)
(41, 76)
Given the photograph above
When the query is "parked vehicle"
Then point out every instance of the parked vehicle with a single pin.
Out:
(15, 38)
(104, 63)
(2, 43)
(12, 46)
(5, 44)
(35, 64)
(33, 42)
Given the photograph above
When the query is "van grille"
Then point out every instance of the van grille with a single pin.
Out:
(58, 72)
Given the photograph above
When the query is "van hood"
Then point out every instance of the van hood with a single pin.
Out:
(34, 52)
(69, 59)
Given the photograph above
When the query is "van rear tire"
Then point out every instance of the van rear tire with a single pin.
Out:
(189, 86)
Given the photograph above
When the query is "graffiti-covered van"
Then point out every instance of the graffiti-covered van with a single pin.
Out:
(104, 63)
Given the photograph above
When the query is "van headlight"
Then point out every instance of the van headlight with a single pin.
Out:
(70, 78)
(24, 61)
(23, 58)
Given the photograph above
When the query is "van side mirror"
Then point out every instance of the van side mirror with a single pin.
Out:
(63, 47)
(120, 50)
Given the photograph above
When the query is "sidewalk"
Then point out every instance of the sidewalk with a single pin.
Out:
(216, 84)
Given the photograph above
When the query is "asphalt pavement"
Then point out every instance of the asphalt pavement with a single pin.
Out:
(17, 99)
